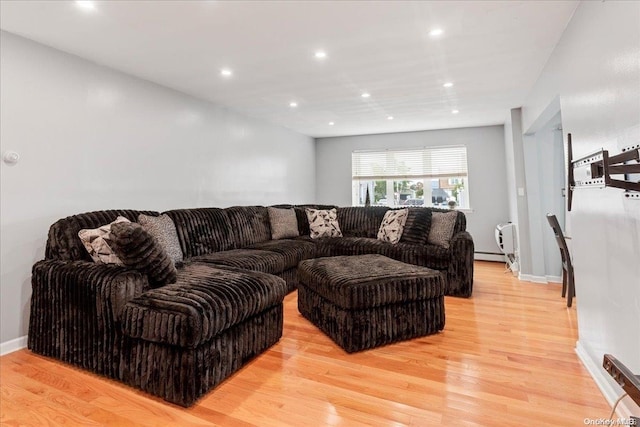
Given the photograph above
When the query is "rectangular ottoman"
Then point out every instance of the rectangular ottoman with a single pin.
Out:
(367, 301)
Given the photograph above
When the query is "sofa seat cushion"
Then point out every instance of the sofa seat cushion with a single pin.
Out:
(431, 256)
(204, 302)
(293, 251)
(250, 259)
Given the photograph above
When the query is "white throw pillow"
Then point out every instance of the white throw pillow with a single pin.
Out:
(323, 223)
(392, 225)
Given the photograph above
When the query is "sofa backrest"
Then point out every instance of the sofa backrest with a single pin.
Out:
(63, 242)
(361, 221)
(250, 224)
(203, 230)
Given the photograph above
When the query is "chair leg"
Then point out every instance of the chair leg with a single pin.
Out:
(564, 282)
(571, 291)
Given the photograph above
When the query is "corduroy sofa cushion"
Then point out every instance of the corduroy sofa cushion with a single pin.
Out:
(250, 224)
(250, 259)
(369, 281)
(361, 221)
(293, 251)
(416, 228)
(203, 231)
(205, 301)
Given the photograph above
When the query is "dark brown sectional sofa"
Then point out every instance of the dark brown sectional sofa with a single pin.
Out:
(180, 340)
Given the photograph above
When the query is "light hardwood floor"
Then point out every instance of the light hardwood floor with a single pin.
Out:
(505, 357)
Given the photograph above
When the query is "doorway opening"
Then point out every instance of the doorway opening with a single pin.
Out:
(545, 170)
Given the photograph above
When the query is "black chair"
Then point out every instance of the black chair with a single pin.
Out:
(568, 284)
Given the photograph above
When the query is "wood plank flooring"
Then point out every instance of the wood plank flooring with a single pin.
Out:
(505, 357)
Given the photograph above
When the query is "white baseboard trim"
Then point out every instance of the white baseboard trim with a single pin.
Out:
(488, 257)
(539, 279)
(532, 278)
(13, 345)
(626, 407)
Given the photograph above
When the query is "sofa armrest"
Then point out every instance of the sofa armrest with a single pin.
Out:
(75, 310)
(460, 272)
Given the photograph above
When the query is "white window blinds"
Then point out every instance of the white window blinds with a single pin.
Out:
(433, 162)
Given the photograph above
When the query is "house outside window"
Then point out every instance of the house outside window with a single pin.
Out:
(426, 177)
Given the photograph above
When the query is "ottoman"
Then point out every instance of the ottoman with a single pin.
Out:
(367, 301)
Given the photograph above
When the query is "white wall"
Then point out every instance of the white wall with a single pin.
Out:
(595, 72)
(92, 138)
(486, 159)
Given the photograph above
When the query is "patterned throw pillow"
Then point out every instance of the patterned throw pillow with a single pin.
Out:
(392, 225)
(97, 241)
(323, 223)
(284, 223)
(164, 230)
(442, 224)
(141, 251)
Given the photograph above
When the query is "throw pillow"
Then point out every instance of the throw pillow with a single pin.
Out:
(97, 241)
(323, 223)
(442, 224)
(392, 225)
(416, 229)
(164, 230)
(140, 250)
(284, 223)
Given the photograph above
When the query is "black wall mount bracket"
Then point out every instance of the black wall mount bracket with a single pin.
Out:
(600, 170)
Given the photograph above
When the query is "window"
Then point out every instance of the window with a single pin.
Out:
(422, 177)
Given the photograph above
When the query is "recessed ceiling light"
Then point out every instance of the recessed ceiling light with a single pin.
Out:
(390, 118)
(447, 84)
(320, 54)
(226, 72)
(293, 104)
(454, 111)
(86, 5)
(331, 123)
(436, 32)
(365, 95)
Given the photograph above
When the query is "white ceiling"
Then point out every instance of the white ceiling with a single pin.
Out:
(493, 52)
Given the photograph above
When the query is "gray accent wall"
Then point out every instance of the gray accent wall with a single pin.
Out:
(92, 138)
(486, 163)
